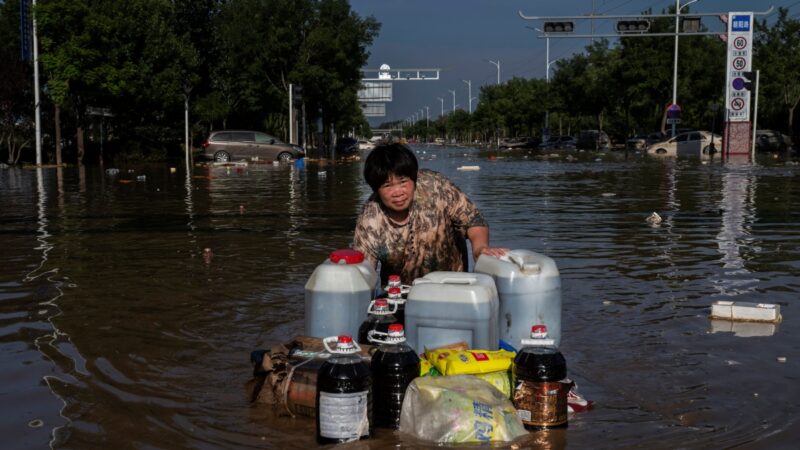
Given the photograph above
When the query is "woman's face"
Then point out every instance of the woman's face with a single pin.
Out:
(397, 192)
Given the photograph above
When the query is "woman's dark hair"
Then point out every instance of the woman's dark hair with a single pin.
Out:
(388, 159)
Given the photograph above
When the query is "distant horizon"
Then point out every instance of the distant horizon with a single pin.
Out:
(461, 37)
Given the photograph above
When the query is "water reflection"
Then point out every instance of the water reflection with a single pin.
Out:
(738, 213)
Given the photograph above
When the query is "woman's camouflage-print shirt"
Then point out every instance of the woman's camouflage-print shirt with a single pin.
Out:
(431, 240)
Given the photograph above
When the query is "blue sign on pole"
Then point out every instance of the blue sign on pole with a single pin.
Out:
(25, 38)
(738, 84)
(740, 23)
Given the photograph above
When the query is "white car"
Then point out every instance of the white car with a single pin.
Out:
(695, 144)
(365, 145)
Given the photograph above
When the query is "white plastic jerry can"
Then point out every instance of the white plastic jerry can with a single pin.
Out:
(529, 287)
(449, 307)
(338, 294)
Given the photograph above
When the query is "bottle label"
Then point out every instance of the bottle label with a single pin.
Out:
(343, 416)
(542, 404)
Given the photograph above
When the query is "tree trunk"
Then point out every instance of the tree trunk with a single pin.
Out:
(81, 148)
(57, 117)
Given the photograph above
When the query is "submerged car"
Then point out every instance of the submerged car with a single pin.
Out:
(697, 144)
(558, 143)
(231, 145)
(593, 140)
(772, 141)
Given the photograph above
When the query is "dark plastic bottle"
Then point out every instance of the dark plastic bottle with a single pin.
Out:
(344, 395)
(395, 297)
(394, 365)
(540, 397)
(379, 317)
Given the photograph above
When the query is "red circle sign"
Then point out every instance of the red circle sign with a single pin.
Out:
(737, 104)
(740, 42)
(739, 63)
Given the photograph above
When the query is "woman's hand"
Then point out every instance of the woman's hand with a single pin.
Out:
(491, 251)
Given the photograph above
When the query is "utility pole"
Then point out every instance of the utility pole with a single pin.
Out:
(37, 103)
(454, 99)
(469, 86)
(678, 8)
(427, 116)
(498, 69)
(441, 100)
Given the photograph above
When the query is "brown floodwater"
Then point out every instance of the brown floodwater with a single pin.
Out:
(117, 330)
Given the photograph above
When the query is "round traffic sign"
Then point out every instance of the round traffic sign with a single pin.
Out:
(740, 42)
(738, 84)
(737, 104)
(739, 63)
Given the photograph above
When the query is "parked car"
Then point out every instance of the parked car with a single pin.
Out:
(346, 146)
(593, 140)
(365, 145)
(520, 142)
(230, 145)
(697, 144)
(642, 141)
(559, 143)
(772, 141)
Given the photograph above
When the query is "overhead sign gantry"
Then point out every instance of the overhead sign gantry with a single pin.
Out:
(376, 84)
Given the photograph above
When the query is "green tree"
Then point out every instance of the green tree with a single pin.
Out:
(777, 54)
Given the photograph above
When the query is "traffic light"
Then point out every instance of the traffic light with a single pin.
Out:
(748, 80)
(633, 26)
(297, 93)
(559, 27)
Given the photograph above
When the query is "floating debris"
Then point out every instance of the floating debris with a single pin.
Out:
(469, 168)
(746, 312)
(608, 194)
(36, 423)
(241, 209)
(141, 178)
(781, 359)
(322, 174)
(112, 171)
(172, 170)
(653, 219)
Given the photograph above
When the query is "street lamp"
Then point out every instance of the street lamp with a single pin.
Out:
(427, 117)
(547, 63)
(497, 63)
(454, 99)
(441, 100)
(469, 86)
(678, 8)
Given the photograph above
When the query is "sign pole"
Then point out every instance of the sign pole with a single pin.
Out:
(755, 122)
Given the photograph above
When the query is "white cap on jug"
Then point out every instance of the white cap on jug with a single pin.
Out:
(394, 293)
(394, 335)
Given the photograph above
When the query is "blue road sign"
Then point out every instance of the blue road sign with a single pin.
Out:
(740, 23)
(25, 35)
(738, 84)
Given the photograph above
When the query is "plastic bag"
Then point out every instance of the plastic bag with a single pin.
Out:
(458, 409)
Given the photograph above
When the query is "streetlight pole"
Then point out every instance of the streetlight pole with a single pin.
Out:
(427, 116)
(469, 87)
(454, 99)
(441, 100)
(547, 63)
(497, 63)
(37, 103)
(678, 8)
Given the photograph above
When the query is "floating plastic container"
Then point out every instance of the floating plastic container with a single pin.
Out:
(338, 294)
(746, 312)
(449, 307)
(529, 288)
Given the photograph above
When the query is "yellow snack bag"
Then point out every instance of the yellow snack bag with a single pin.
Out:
(425, 369)
(470, 362)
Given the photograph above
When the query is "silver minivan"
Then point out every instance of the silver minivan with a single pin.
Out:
(231, 145)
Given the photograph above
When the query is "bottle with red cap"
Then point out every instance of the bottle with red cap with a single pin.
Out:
(395, 298)
(344, 394)
(540, 396)
(394, 365)
(379, 316)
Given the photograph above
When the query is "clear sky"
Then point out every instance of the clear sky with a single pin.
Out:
(462, 36)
